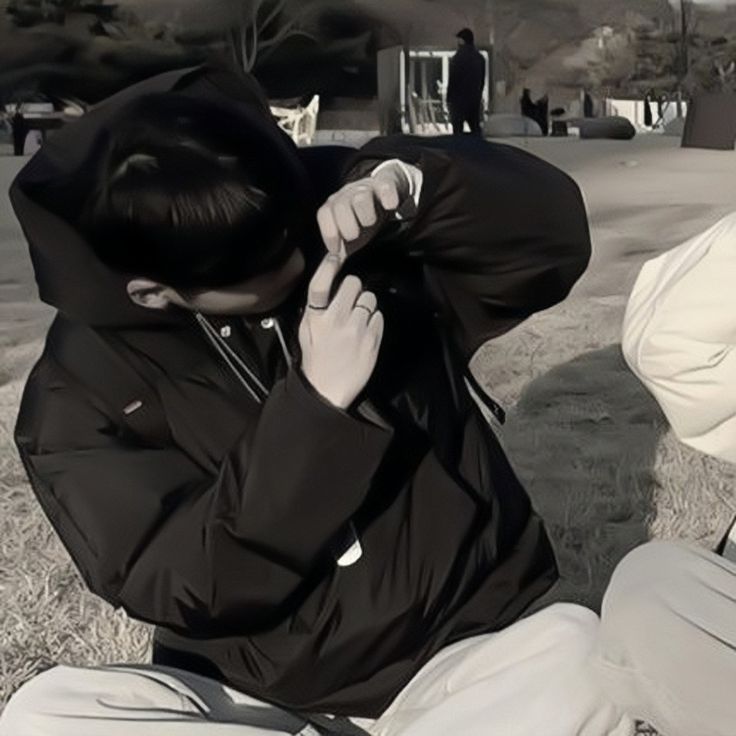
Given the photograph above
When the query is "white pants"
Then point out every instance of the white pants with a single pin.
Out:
(665, 650)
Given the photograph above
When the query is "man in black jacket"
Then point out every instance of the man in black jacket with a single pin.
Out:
(20, 131)
(271, 455)
(465, 86)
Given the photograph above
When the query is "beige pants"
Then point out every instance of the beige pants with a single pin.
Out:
(664, 651)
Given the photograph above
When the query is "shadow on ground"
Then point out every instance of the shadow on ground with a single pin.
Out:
(584, 439)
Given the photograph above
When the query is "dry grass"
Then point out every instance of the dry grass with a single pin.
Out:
(588, 441)
(594, 449)
(46, 615)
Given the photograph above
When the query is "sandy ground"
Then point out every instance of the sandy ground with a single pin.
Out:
(589, 442)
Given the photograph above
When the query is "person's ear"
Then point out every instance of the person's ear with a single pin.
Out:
(149, 294)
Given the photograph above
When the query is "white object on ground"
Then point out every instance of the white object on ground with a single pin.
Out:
(680, 337)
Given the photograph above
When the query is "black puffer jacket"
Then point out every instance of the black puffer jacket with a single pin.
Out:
(220, 519)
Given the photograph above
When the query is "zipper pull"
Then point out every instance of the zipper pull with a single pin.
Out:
(272, 323)
(353, 551)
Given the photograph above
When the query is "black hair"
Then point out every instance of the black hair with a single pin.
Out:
(182, 199)
(467, 35)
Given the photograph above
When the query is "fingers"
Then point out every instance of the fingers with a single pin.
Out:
(367, 301)
(353, 209)
(364, 308)
(350, 296)
(320, 286)
(387, 190)
(375, 328)
(338, 221)
(347, 295)
(364, 206)
(329, 230)
(346, 218)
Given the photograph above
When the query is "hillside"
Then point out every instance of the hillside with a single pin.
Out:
(554, 46)
(562, 47)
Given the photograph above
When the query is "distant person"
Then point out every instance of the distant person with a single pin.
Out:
(465, 87)
(528, 108)
(648, 117)
(588, 111)
(20, 132)
(542, 109)
(537, 111)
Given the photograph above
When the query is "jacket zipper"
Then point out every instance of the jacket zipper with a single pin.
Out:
(352, 549)
(242, 372)
(272, 322)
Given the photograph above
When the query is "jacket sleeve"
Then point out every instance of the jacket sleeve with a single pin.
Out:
(500, 233)
(452, 82)
(151, 532)
(481, 73)
(679, 337)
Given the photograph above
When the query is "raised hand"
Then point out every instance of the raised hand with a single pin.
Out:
(353, 212)
(339, 338)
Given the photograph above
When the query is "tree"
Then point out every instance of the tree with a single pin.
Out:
(261, 26)
(726, 74)
(683, 44)
(33, 12)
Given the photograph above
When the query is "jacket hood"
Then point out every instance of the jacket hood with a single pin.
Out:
(48, 192)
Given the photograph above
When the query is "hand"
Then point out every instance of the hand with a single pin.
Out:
(339, 339)
(352, 213)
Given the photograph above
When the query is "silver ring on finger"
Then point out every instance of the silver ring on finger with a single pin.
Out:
(367, 309)
(367, 301)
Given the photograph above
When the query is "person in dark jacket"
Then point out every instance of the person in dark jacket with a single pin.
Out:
(542, 107)
(527, 105)
(588, 105)
(465, 86)
(20, 131)
(648, 117)
(537, 111)
(274, 455)
(193, 430)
